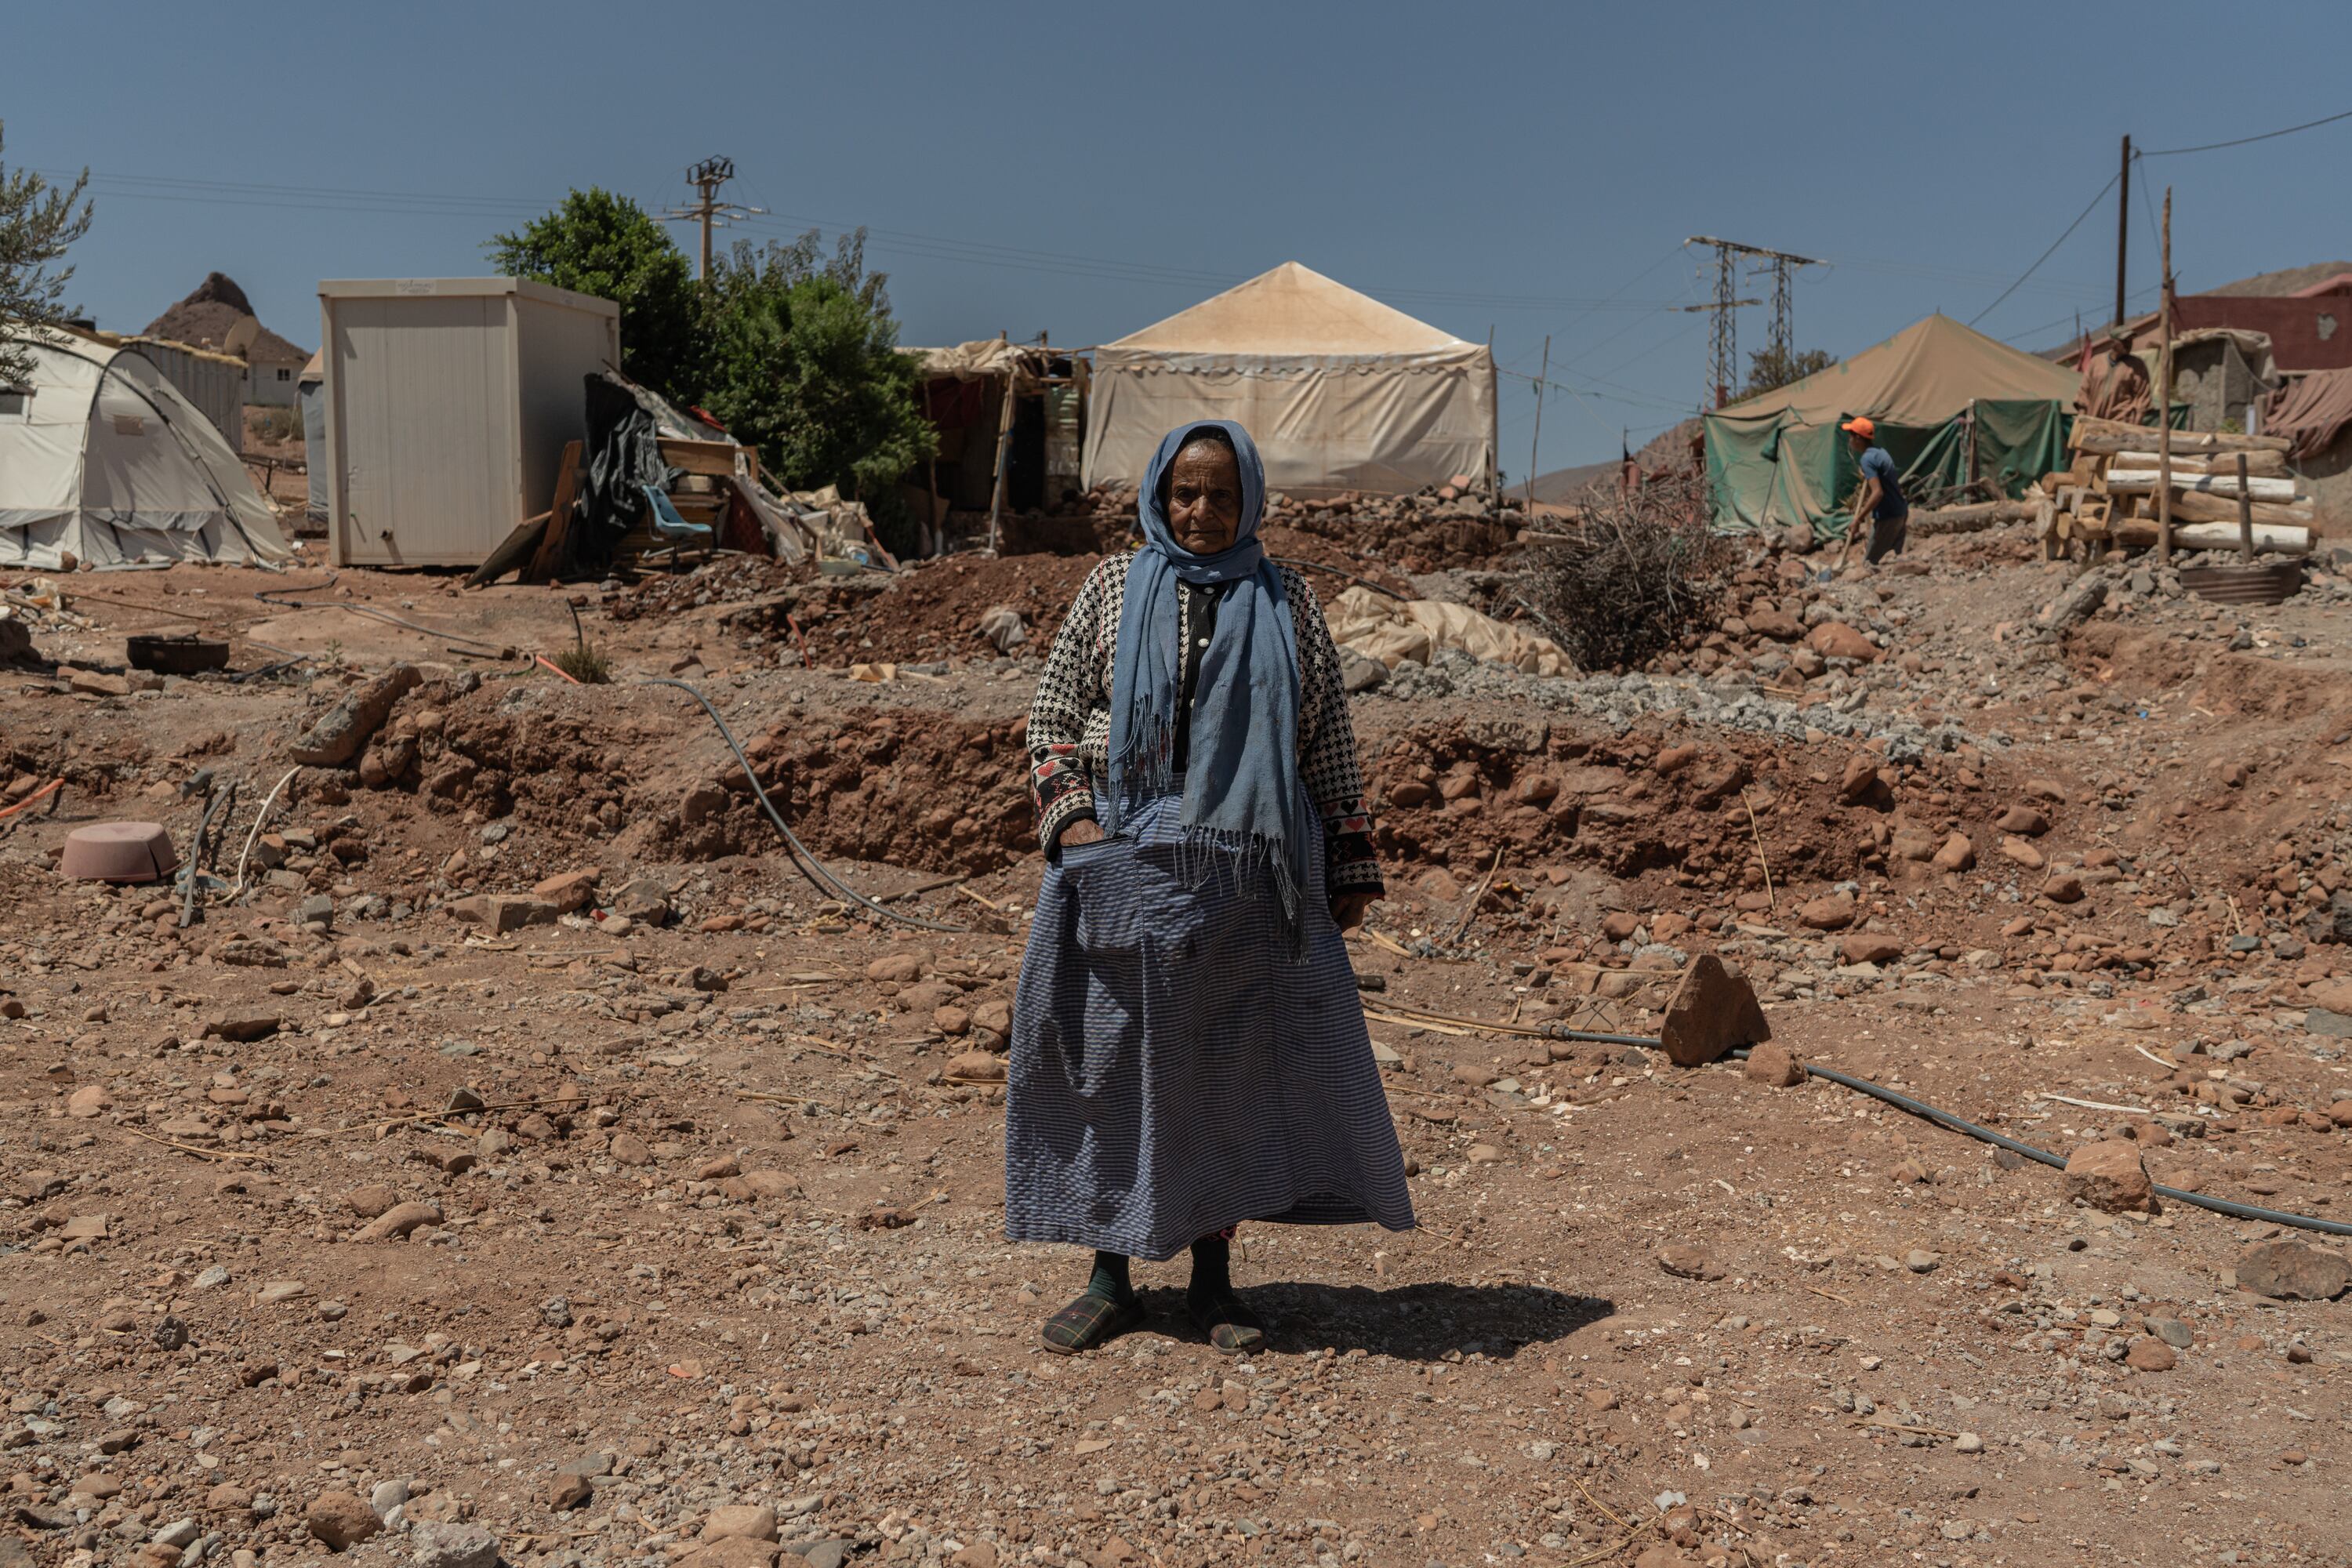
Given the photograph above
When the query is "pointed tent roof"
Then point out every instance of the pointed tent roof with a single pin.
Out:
(1290, 310)
(1924, 374)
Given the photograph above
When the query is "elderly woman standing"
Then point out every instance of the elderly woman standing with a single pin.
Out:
(1188, 1048)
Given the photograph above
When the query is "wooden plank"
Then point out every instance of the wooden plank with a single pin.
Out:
(2278, 539)
(2194, 507)
(2121, 481)
(512, 552)
(712, 460)
(2264, 465)
(2111, 435)
(559, 516)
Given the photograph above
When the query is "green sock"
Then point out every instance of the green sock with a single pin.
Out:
(1211, 1256)
(1110, 1281)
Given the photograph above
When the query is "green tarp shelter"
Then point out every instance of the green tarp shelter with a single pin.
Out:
(1951, 405)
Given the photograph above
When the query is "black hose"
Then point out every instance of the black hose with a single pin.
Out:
(824, 881)
(1986, 1134)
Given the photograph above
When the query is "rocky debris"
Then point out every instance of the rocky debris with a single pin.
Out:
(1711, 1011)
(568, 890)
(755, 1521)
(1836, 639)
(567, 1492)
(499, 913)
(1775, 1066)
(340, 1521)
(1687, 1262)
(242, 1028)
(642, 900)
(2149, 1355)
(2294, 1271)
(452, 1546)
(2110, 1175)
(2080, 600)
(396, 1222)
(977, 1067)
(1832, 912)
(338, 735)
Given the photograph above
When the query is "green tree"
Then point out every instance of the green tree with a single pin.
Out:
(38, 222)
(1769, 369)
(805, 365)
(601, 243)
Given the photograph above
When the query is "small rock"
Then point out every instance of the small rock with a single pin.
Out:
(567, 1492)
(387, 1496)
(1836, 639)
(341, 1520)
(370, 1200)
(2110, 1175)
(1711, 1011)
(628, 1149)
(1834, 911)
(977, 1067)
(1967, 1443)
(1958, 853)
(1920, 1261)
(2294, 1271)
(754, 1522)
(2149, 1355)
(1686, 1262)
(1868, 947)
(453, 1546)
(1774, 1066)
(396, 1222)
(2062, 888)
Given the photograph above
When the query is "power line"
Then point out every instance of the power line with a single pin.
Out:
(2244, 141)
(2054, 244)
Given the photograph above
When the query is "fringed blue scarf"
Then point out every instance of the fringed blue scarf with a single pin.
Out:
(1242, 799)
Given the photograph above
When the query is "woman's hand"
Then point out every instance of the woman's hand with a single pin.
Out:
(1348, 909)
(1083, 830)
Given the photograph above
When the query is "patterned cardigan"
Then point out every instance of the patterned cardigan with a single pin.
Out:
(1070, 723)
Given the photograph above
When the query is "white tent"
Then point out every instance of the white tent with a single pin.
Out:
(1341, 391)
(102, 457)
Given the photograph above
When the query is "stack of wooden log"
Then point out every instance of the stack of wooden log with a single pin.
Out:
(2107, 497)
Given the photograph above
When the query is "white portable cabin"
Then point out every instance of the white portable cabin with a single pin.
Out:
(447, 403)
(104, 459)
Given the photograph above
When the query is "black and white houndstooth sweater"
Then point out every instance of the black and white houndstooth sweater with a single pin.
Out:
(1069, 723)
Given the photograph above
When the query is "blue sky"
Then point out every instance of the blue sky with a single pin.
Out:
(1086, 170)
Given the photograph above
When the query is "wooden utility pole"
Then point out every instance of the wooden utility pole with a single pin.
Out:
(2123, 228)
(706, 177)
(2164, 399)
(1537, 439)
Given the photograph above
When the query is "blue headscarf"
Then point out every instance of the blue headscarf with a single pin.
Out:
(1243, 797)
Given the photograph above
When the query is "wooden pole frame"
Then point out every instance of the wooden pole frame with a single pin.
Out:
(2164, 402)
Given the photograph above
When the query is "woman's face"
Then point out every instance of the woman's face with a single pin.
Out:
(1204, 498)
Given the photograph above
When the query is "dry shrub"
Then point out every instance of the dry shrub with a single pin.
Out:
(1637, 572)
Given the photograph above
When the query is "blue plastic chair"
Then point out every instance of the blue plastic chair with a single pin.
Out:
(668, 525)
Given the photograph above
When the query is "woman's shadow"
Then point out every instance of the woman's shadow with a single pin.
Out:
(1417, 1323)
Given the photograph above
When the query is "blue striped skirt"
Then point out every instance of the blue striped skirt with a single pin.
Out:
(1173, 1072)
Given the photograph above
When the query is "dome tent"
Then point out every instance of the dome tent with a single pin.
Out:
(103, 458)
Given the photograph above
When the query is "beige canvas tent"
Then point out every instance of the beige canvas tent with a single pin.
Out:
(1341, 391)
(104, 459)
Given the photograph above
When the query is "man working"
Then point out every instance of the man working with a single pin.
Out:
(1881, 497)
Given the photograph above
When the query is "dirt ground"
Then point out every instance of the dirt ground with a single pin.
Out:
(681, 1198)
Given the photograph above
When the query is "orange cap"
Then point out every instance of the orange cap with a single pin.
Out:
(1860, 426)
